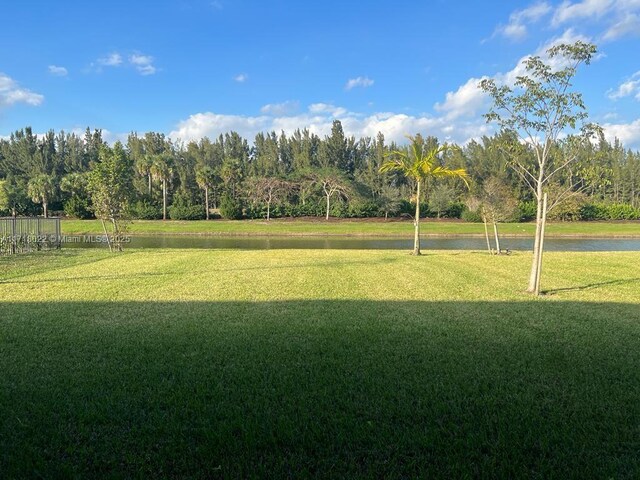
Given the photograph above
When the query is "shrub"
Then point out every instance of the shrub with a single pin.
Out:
(569, 209)
(470, 216)
(454, 210)
(186, 212)
(365, 209)
(144, 210)
(77, 207)
(611, 211)
(622, 211)
(230, 208)
(526, 211)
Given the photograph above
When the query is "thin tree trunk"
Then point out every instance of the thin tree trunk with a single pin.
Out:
(149, 176)
(164, 199)
(104, 228)
(328, 198)
(544, 224)
(536, 245)
(206, 202)
(44, 207)
(416, 223)
(268, 211)
(495, 232)
(486, 234)
(117, 241)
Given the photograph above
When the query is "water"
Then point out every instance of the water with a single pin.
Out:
(360, 243)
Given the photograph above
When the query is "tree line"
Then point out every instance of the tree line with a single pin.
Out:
(303, 174)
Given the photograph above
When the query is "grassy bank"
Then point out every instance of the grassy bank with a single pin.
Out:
(240, 364)
(353, 227)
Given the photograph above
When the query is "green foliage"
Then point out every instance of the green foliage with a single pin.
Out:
(363, 209)
(183, 209)
(454, 210)
(471, 216)
(568, 210)
(110, 186)
(230, 208)
(146, 210)
(611, 211)
(608, 172)
(78, 207)
(621, 211)
(526, 211)
(5, 205)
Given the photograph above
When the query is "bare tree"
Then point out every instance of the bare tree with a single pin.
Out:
(333, 184)
(267, 191)
(498, 205)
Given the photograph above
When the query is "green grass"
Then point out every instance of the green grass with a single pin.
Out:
(353, 227)
(331, 364)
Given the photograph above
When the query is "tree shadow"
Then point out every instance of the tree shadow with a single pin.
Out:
(319, 388)
(590, 286)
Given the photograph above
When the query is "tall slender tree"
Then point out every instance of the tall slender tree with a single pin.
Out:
(538, 109)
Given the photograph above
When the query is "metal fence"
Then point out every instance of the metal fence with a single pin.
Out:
(28, 234)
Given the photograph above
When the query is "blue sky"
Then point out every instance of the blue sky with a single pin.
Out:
(190, 68)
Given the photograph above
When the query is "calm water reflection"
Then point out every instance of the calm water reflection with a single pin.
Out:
(360, 243)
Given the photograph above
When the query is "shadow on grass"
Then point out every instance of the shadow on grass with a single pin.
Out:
(590, 286)
(341, 389)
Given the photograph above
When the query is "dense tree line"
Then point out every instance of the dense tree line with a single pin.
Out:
(302, 175)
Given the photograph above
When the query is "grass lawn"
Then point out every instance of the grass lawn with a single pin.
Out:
(331, 364)
(363, 227)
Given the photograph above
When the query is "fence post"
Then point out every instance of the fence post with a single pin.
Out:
(58, 234)
(13, 236)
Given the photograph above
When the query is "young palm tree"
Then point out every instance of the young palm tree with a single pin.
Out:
(144, 166)
(418, 164)
(205, 178)
(41, 188)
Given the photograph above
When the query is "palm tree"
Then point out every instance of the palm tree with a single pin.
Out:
(162, 170)
(144, 165)
(40, 189)
(205, 178)
(418, 164)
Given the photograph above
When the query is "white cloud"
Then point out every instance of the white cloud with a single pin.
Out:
(283, 108)
(363, 82)
(319, 118)
(628, 24)
(142, 63)
(11, 93)
(627, 133)
(241, 77)
(516, 29)
(464, 102)
(622, 17)
(571, 12)
(112, 60)
(627, 88)
(58, 71)
(327, 108)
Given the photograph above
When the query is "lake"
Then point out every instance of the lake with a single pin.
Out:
(358, 243)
